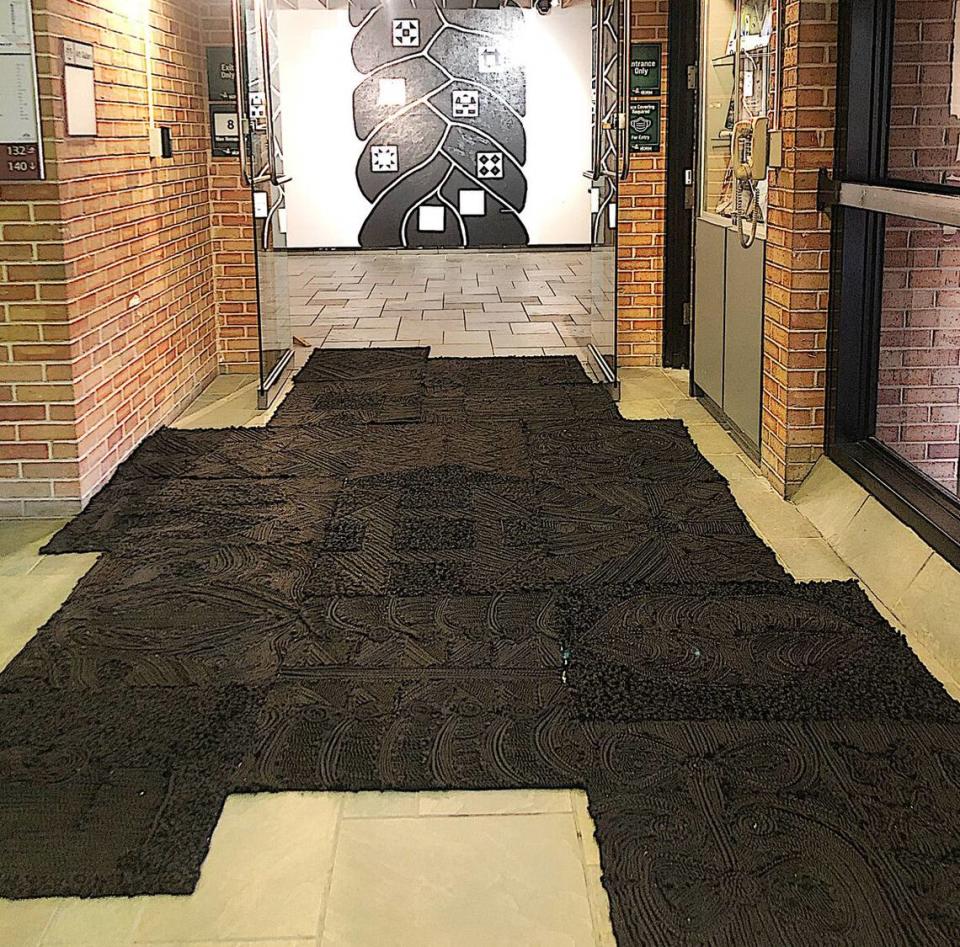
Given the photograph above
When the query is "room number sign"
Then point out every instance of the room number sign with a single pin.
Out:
(21, 154)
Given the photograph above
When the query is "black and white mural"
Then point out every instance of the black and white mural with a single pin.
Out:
(461, 123)
(440, 114)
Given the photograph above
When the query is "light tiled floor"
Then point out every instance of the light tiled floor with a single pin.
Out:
(459, 303)
(432, 869)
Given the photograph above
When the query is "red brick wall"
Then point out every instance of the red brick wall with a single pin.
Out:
(89, 370)
(797, 276)
(642, 221)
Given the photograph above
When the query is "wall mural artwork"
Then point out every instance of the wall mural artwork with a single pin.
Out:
(440, 114)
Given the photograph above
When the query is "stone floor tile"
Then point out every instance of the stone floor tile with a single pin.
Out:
(463, 337)
(97, 922)
(379, 334)
(830, 499)
(810, 559)
(20, 542)
(882, 551)
(380, 805)
(22, 923)
(266, 874)
(493, 881)
(24, 613)
(460, 351)
(929, 606)
(494, 802)
(772, 516)
(641, 409)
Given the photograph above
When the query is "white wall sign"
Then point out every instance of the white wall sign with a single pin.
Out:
(78, 84)
(21, 157)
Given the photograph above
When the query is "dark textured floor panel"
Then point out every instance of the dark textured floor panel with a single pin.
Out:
(363, 401)
(470, 574)
(502, 373)
(784, 833)
(327, 366)
(711, 652)
(427, 730)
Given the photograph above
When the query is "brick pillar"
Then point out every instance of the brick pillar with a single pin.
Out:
(642, 221)
(797, 277)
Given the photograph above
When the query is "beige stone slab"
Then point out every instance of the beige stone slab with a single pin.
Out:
(385, 323)
(463, 337)
(586, 828)
(554, 309)
(457, 299)
(98, 922)
(810, 559)
(830, 499)
(378, 334)
(929, 608)
(492, 881)
(487, 318)
(772, 516)
(434, 314)
(882, 551)
(599, 907)
(22, 923)
(507, 351)
(266, 874)
(647, 383)
(337, 344)
(380, 805)
(460, 351)
(20, 542)
(494, 802)
(641, 409)
(712, 440)
(735, 467)
(687, 409)
(29, 602)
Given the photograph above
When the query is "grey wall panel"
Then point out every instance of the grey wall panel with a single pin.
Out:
(708, 308)
(743, 338)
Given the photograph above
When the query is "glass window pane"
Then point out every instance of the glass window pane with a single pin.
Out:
(918, 397)
(925, 94)
(719, 62)
(737, 88)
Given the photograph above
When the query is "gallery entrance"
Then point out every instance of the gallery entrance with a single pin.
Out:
(445, 127)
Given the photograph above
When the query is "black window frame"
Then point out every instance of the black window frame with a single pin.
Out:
(863, 108)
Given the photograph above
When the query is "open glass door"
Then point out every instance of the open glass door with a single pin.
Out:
(261, 159)
(611, 19)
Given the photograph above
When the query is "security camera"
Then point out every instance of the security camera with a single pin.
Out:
(543, 6)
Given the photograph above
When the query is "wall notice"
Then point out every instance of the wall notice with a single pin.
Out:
(21, 156)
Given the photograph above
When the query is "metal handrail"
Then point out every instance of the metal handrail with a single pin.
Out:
(239, 79)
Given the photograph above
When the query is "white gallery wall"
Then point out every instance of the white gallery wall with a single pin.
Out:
(325, 207)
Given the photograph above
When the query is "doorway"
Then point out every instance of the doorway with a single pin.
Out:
(737, 111)
(460, 135)
(894, 374)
